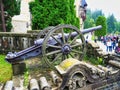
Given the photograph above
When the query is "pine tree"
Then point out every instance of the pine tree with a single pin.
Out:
(101, 20)
(53, 12)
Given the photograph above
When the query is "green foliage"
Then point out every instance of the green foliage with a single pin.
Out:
(91, 18)
(94, 60)
(117, 32)
(101, 20)
(100, 61)
(96, 14)
(26, 78)
(89, 23)
(117, 25)
(111, 23)
(53, 12)
(5, 70)
(12, 7)
(8, 25)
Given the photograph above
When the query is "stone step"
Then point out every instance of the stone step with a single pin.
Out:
(42, 84)
(34, 84)
(9, 85)
(105, 69)
(95, 70)
(1, 86)
(94, 45)
(98, 50)
(115, 63)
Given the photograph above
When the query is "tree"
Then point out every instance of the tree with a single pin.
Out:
(117, 26)
(53, 12)
(2, 19)
(101, 20)
(111, 23)
(96, 14)
(11, 8)
(89, 22)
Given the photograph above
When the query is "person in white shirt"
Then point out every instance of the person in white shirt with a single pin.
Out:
(109, 45)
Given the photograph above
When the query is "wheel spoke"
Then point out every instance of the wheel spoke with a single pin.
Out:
(56, 40)
(63, 37)
(63, 57)
(71, 55)
(67, 55)
(77, 44)
(53, 46)
(56, 58)
(53, 52)
(74, 39)
(69, 37)
(76, 51)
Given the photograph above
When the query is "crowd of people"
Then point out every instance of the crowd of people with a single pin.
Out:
(111, 42)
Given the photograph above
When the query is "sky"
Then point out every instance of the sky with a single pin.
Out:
(107, 6)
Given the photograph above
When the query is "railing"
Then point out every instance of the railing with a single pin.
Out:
(11, 42)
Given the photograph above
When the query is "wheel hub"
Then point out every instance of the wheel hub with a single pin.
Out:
(66, 49)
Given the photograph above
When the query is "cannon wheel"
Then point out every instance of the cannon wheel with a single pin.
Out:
(44, 32)
(65, 47)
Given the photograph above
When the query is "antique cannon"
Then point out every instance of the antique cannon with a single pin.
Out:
(60, 42)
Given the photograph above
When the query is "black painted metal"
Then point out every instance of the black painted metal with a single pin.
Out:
(36, 49)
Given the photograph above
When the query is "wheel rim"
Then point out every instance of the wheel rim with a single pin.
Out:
(44, 32)
(65, 47)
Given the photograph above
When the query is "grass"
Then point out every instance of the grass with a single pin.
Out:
(26, 78)
(95, 61)
(5, 70)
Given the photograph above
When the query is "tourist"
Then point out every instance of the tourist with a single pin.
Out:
(109, 45)
(117, 49)
(114, 43)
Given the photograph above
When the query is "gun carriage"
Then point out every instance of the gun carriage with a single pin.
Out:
(56, 45)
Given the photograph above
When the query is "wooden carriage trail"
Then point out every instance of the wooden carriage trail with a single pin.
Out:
(71, 73)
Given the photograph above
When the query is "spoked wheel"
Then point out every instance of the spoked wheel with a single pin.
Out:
(68, 43)
(44, 32)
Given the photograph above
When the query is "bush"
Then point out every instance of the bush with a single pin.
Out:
(5, 70)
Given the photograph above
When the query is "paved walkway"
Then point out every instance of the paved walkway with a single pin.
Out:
(103, 47)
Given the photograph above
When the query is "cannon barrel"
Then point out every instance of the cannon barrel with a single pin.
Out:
(91, 29)
(84, 31)
(36, 49)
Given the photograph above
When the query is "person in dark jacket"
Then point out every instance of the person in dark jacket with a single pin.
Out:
(117, 49)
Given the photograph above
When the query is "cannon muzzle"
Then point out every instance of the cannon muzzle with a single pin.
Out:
(91, 29)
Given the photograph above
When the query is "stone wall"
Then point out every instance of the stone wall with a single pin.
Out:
(10, 42)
